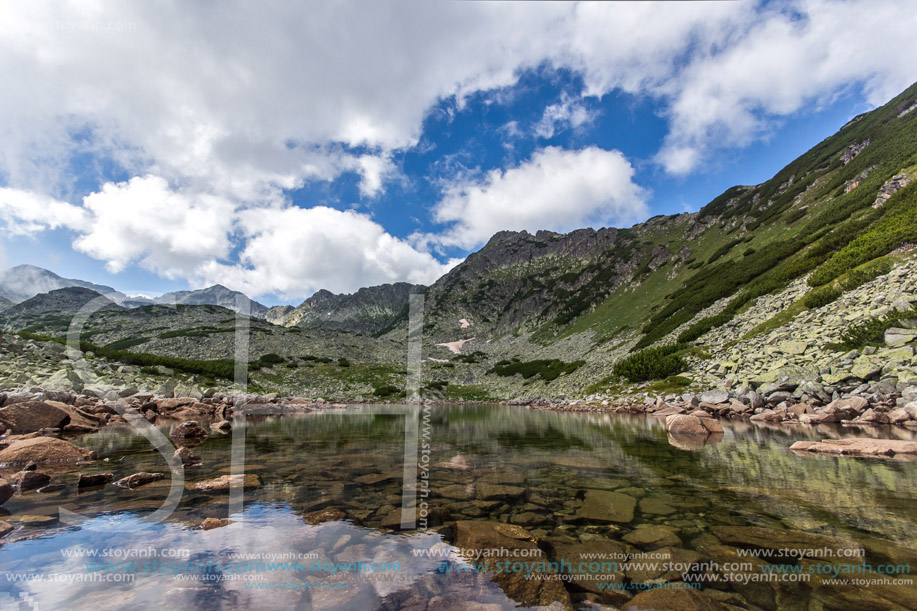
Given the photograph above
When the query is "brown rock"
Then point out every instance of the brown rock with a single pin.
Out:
(499, 538)
(673, 600)
(29, 480)
(139, 479)
(44, 450)
(653, 536)
(211, 523)
(685, 425)
(871, 416)
(187, 456)
(249, 480)
(32, 416)
(6, 528)
(190, 429)
(6, 491)
(167, 405)
(222, 425)
(604, 506)
(330, 514)
(95, 479)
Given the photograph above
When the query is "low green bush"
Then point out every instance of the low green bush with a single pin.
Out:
(822, 296)
(651, 364)
(548, 370)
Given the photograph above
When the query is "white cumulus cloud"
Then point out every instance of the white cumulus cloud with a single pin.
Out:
(556, 189)
(295, 251)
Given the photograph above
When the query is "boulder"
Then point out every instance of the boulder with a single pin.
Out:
(871, 416)
(6, 491)
(44, 450)
(715, 396)
(497, 492)
(6, 528)
(139, 479)
(190, 429)
(222, 425)
(689, 424)
(899, 336)
(476, 537)
(31, 416)
(29, 480)
(95, 479)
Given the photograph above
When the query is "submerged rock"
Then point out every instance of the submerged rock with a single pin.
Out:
(211, 523)
(224, 482)
(604, 506)
(139, 479)
(475, 537)
(187, 456)
(95, 479)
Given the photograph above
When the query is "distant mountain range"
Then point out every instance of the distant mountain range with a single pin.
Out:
(366, 311)
(25, 281)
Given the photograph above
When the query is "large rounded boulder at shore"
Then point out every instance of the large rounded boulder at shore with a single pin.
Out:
(48, 450)
(31, 416)
(689, 424)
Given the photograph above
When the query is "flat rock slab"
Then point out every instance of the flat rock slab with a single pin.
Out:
(879, 448)
(653, 536)
(604, 506)
(224, 482)
(495, 492)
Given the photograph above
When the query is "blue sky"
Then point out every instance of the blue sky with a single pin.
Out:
(279, 160)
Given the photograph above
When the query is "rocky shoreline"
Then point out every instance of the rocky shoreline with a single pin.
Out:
(788, 401)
